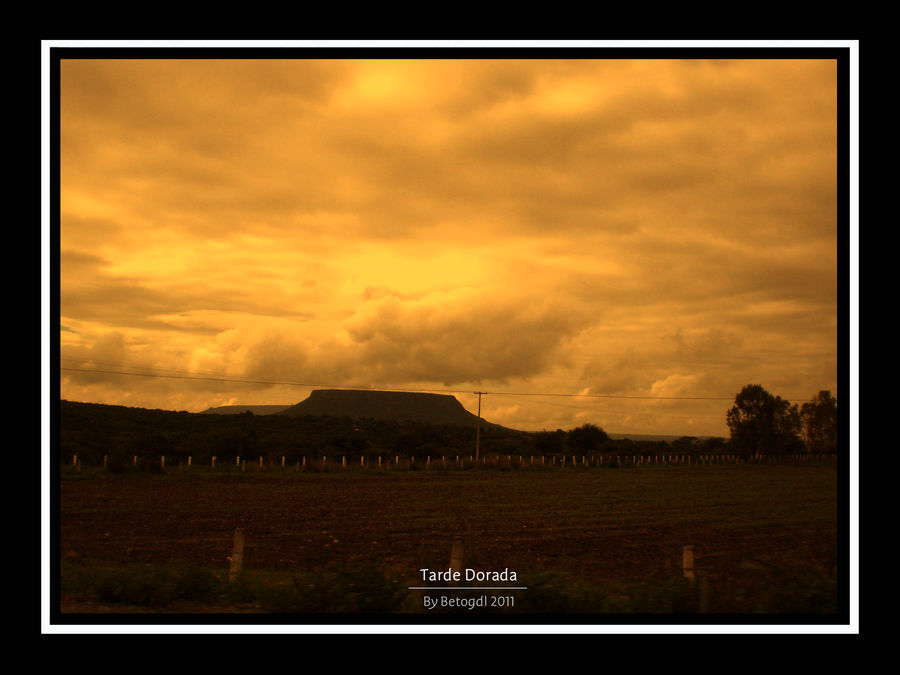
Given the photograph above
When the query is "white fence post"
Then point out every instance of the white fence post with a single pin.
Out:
(456, 555)
(687, 562)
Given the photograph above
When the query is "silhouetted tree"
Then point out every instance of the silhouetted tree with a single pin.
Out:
(761, 423)
(685, 445)
(819, 421)
(587, 438)
(713, 445)
(408, 442)
(550, 442)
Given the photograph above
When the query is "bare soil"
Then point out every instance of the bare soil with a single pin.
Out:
(602, 525)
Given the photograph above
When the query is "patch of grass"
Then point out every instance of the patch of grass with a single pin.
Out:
(812, 592)
(677, 596)
(142, 585)
(197, 584)
(348, 590)
(355, 589)
(770, 589)
(373, 589)
(561, 593)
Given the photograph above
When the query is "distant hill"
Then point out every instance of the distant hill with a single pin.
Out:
(238, 409)
(327, 423)
(648, 437)
(387, 405)
(390, 405)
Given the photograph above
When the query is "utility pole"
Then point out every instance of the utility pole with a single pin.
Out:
(478, 428)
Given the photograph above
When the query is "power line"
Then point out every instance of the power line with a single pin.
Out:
(126, 364)
(664, 398)
(654, 413)
(193, 376)
(269, 382)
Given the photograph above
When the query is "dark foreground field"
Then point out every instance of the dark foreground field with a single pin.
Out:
(582, 540)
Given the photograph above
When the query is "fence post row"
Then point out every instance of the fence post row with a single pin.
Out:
(497, 460)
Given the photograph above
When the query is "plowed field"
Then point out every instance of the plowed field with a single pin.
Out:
(622, 525)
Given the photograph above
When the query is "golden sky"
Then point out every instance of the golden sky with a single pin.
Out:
(619, 228)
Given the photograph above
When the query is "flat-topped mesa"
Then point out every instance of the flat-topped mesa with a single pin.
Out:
(386, 405)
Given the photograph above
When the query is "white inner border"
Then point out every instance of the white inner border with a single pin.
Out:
(851, 628)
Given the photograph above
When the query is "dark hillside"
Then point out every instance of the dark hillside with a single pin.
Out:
(123, 435)
(93, 431)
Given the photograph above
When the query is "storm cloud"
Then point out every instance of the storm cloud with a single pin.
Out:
(607, 227)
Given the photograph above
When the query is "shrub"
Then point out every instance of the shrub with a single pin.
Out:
(141, 585)
(196, 584)
(118, 465)
(560, 593)
(348, 590)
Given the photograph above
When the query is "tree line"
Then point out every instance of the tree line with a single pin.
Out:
(759, 422)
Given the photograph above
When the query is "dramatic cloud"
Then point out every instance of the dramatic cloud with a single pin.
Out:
(631, 228)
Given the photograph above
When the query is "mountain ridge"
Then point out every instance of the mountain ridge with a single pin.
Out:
(228, 411)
